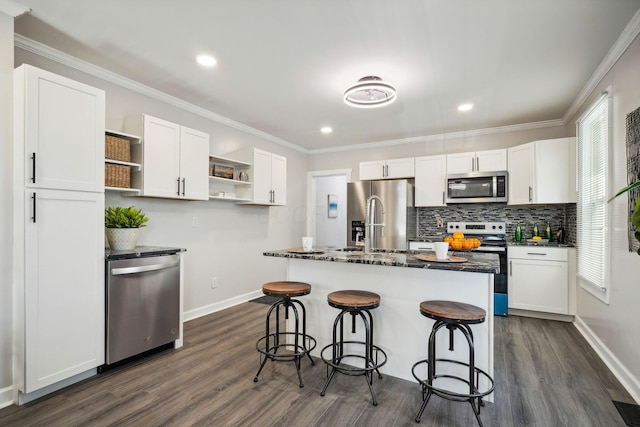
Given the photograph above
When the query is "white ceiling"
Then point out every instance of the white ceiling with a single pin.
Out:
(283, 65)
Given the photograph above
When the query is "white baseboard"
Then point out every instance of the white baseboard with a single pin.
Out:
(540, 315)
(212, 308)
(6, 397)
(628, 381)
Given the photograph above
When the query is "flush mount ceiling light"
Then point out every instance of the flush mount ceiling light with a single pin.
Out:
(370, 92)
(206, 60)
(326, 129)
(465, 107)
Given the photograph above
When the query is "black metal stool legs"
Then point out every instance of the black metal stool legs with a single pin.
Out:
(474, 397)
(371, 352)
(269, 345)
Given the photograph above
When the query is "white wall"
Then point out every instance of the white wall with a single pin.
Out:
(6, 203)
(330, 231)
(229, 240)
(615, 326)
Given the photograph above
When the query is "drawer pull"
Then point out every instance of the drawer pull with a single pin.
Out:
(536, 253)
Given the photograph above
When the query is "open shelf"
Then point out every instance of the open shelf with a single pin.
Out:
(123, 190)
(229, 162)
(228, 181)
(135, 167)
(233, 199)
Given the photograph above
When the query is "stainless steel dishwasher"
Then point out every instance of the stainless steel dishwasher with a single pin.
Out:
(143, 304)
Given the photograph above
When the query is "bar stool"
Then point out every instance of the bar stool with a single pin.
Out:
(270, 343)
(453, 316)
(355, 303)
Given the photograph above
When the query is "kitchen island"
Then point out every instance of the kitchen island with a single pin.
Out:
(402, 281)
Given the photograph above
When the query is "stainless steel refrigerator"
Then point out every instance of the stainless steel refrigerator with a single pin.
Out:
(399, 218)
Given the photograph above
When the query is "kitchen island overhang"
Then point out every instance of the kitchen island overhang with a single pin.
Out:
(402, 281)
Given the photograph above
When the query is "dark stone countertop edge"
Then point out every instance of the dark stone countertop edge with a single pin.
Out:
(476, 262)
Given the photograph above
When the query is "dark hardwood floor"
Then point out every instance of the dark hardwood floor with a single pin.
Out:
(545, 374)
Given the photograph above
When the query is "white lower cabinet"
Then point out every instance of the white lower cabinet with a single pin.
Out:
(539, 279)
(60, 287)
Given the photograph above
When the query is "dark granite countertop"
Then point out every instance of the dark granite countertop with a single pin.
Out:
(547, 244)
(476, 262)
(141, 251)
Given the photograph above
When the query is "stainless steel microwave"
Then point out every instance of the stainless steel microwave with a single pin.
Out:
(477, 187)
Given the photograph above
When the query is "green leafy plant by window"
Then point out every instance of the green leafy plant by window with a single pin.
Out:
(118, 217)
(635, 216)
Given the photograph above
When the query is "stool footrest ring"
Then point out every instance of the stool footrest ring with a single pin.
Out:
(448, 394)
(279, 340)
(378, 358)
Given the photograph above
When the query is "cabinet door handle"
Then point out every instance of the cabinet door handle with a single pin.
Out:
(33, 198)
(33, 167)
(184, 185)
(178, 185)
(510, 268)
(443, 201)
(477, 164)
(273, 196)
(530, 194)
(473, 165)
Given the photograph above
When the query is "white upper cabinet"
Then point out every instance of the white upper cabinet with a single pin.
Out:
(430, 180)
(520, 170)
(543, 172)
(387, 169)
(268, 176)
(62, 131)
(175, 161)
(479, 161)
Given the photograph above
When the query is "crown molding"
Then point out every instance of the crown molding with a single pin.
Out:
(13, 9)
(101, 73)
(442, 136)
(625, 39)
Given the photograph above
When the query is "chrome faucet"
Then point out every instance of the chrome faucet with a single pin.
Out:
(369, 222)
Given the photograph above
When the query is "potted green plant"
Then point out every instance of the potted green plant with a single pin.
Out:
(123, 225)
(635, 216)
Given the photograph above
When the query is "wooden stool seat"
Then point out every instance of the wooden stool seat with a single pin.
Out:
(286, 289)
(452, 311)
(353, 299)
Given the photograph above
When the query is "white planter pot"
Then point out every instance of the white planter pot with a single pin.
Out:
(122, 239)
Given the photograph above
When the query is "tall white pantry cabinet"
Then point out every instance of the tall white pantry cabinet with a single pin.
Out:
(59, 228)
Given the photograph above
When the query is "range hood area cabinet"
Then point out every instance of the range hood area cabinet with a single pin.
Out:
(387, 169)
(543, 172)
(479, 161)
(59, 229)
(430, 181)
(175, 160)
(268, 177)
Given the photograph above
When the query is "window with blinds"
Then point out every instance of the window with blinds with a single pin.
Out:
(593, 247)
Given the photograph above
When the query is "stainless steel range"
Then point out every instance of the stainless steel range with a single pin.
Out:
(492, 236)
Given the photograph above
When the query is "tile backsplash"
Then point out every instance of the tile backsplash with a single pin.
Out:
(555, 215)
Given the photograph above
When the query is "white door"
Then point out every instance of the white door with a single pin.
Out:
(64, 285)
(279, 179)
(161, 165)
(63, 131)
(539, 286)
(430, 182)
(372, 170)
(194, 164)
(520, 168)
(491, 160)
(400, 168)
(261, 177)
(461, 162)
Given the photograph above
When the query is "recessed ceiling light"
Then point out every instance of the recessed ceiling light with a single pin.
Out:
(465, 107)
(326, 129)
(206, 60)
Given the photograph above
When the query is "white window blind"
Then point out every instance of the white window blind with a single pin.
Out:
(593, 250)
